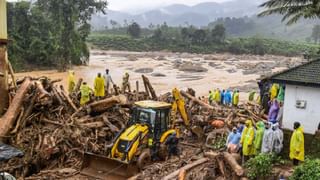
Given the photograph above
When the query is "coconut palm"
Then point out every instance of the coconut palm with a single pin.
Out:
(292, 10)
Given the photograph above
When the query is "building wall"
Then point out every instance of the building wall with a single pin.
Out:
(308, 117)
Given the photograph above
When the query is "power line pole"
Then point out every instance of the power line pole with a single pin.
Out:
(4, 96)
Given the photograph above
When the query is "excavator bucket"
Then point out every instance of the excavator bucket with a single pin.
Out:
(101, 167)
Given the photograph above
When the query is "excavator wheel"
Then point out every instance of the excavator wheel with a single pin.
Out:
(144, 159)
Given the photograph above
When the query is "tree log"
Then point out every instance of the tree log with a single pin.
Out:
(64, 94)
(105, 104)
(186, 168)
(211, 154)
(93, 125)
(149, 87)
(9, 118)
(14, 82)
(182, 174)
(112, 127)
(78, 85)
(233, 164)
(201, 103)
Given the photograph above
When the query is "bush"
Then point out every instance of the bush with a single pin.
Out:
(260, 166)
(309, 170)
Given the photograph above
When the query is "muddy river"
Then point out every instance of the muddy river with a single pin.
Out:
(181, 70)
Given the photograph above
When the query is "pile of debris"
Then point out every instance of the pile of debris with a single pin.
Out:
(53, 131)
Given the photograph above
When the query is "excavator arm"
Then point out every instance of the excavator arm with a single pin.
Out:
(178, 105)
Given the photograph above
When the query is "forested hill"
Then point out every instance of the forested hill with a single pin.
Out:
(238, 16)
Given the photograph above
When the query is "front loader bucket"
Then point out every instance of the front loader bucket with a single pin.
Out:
(101, 167)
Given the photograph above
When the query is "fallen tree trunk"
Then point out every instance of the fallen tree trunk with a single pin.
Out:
(105, 104)
(201, 103)
(149, 87)
(186, 168)
(9, 118)
(64, 94)
(233, 164)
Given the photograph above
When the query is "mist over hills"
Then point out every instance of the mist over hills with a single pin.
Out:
(202, 14)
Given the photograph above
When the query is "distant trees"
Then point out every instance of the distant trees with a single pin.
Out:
(134, 30)
(218, 34)
(316, 33)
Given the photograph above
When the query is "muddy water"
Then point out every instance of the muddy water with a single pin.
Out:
(202, 82)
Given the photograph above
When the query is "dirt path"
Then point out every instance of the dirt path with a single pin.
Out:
(169, 70)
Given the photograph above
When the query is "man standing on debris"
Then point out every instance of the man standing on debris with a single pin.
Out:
(247, 140)
(210, 98)
(233, 140)
(172, 144)
(223, 93)
(99, 87)
(85, 91)
(235, 98)
(228, 97)
(273, 111)
(259, 137)
(274, 91)
(217, 96)
(125, 83)
(71, 82)
(297, 144)
(277, 143)
(251, 95)
(107, 81)
(267, 139)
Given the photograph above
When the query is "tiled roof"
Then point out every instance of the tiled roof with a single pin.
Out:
(306, 74)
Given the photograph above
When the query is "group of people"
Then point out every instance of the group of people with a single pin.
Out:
(102, 85)
(251, 140)
(224, 97)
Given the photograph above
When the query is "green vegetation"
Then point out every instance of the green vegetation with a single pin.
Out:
(309, 170)
(50, 32)
(198, 41)
(260, 167)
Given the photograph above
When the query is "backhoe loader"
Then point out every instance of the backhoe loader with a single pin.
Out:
(151, 123)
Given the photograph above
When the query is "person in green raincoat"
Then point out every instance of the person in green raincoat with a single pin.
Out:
(235, 98)
(280, 96)
(259, 137)
(71, 82)
(211, 96)
(251, 96)
(85, 91)
(247, 140)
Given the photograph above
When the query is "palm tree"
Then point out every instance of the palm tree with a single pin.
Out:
(292, 10)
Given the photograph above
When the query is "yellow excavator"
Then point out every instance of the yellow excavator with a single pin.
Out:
(151, 123)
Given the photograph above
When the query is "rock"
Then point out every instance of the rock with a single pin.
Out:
(232, 70)
(157, 74)
(132, 58)
(213, 64)
(161, 58)
(144, 70)
(189, 67)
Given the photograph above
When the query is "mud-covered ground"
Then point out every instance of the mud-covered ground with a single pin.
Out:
(181, 70)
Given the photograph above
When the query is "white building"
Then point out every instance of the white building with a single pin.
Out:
(302, 96)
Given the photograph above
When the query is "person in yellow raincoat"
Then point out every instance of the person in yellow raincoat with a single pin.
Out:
(297, 144)
(258, 138)
(71, 82)
(99, 86)
(217, 96)
(274, 91)
(235, 98)
(85, 91)
(247, 140)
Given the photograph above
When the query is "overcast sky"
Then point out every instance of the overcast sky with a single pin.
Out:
(142, 4)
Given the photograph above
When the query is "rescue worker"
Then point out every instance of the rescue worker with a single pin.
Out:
(280, 96)
(251, 95)
(210, 98)
(172, 144)
(267, 139)
(85, 91)
(235, 98)
(71, 82)
(228, 98)
(247, 140)
(274, 91)
(273, 111)
(222, 95)
(277, 144)
(125, 83)
(107, 81)
(99, 87)
(297, 144)
(233, 140)
(259, 137)
(280, 114)
(217, 96)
